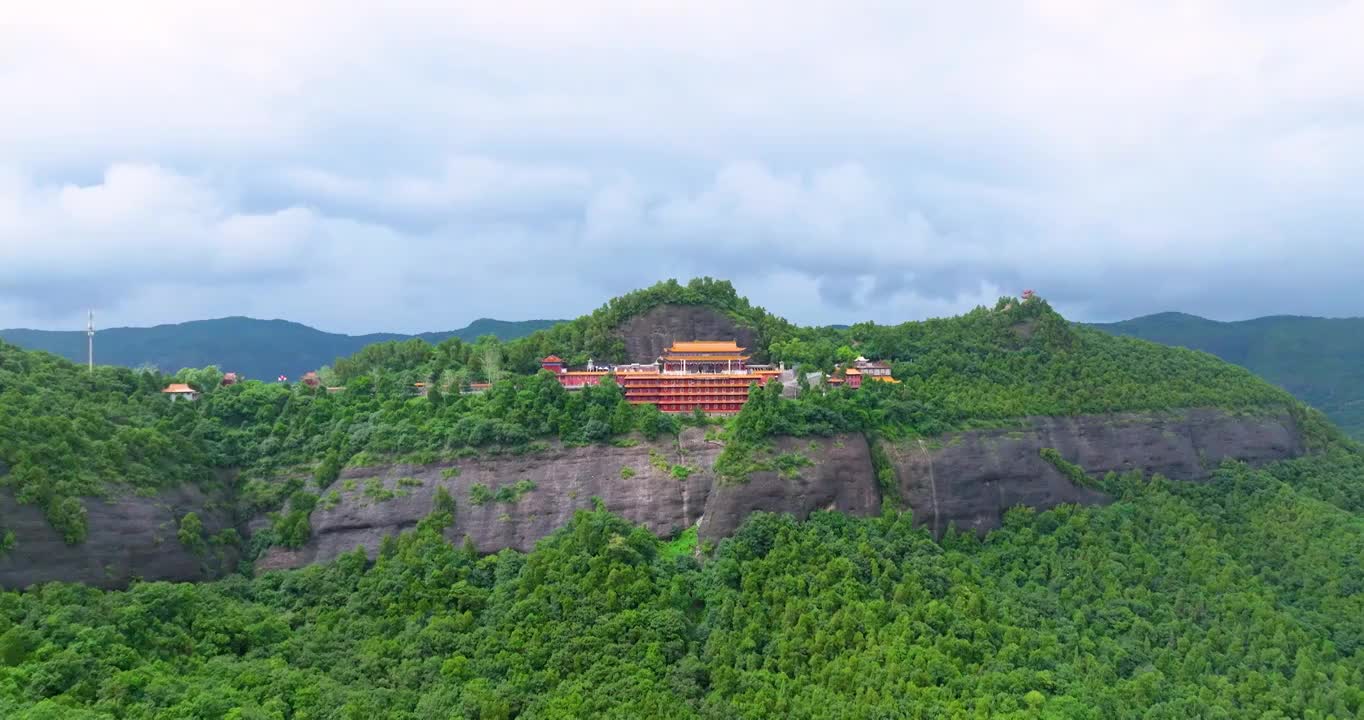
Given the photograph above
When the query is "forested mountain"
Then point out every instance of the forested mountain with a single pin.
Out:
(1238, 597)
(1319, 360)
(984, 368)
(261, 349)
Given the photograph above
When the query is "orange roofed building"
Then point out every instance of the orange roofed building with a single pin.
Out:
(176, 391)
(711, 375)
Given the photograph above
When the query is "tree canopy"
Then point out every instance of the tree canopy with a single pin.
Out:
(1236, 598)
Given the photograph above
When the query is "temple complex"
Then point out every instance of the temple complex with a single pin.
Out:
(711, 375)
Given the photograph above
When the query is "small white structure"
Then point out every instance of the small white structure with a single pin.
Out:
(176, 391)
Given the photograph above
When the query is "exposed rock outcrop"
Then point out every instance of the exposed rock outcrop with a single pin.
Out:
(967, 478)
(568, 479)
(840, 478)
(565, 480)
(971, 478)
(647, 335)
(129, 536)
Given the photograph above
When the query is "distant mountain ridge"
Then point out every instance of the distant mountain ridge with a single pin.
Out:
(261, 349)
(1319, 360)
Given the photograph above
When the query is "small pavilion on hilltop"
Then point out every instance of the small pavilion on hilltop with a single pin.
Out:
(180, 391)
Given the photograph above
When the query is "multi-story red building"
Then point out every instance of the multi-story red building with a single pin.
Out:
(711, 375)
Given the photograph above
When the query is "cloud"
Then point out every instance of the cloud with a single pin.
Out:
(140, 224)
(373, 167)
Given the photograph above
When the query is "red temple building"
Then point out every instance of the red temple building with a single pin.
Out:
(711, 375)
(874, 369)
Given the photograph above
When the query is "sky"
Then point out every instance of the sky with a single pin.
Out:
(373, 167)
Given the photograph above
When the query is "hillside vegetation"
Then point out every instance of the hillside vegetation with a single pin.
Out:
(983, 368)
(1319, 360)
(1238, 598)
(261, 349)
(67, 433)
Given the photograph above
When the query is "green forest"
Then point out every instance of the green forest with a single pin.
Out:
(66, 433)
(1237, 598)
(1316, 359)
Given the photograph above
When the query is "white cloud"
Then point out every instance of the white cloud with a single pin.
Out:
(140, 224)
(375, 166)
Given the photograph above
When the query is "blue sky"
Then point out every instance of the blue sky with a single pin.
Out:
(363, 168)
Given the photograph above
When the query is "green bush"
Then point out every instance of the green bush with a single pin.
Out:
(292, 529)
(191, 534)
(513, 493)
(328, 470)
(1073, 472)
(479, 494)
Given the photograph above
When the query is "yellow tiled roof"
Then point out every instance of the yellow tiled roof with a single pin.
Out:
(705, 358)
(705, 346)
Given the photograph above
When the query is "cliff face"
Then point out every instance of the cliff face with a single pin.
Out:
(651, 492)
(129, 537)
(971, 478)
(966, 478)
(646, 336)
(840, 478)
(565, 480)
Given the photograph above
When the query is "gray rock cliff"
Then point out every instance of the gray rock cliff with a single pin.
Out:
(646, 336)
(565, 480)
(968, 479)
(841, 478)
(569, 479)
(971, 478)
(129, 537)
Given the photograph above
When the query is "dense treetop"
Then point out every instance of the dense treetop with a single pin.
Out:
(69, 433)
(1236, 598)
(66, 432)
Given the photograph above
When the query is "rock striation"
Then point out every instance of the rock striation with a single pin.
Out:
(129, 537)
(969, 479)
(639, 483)
(965, 479)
